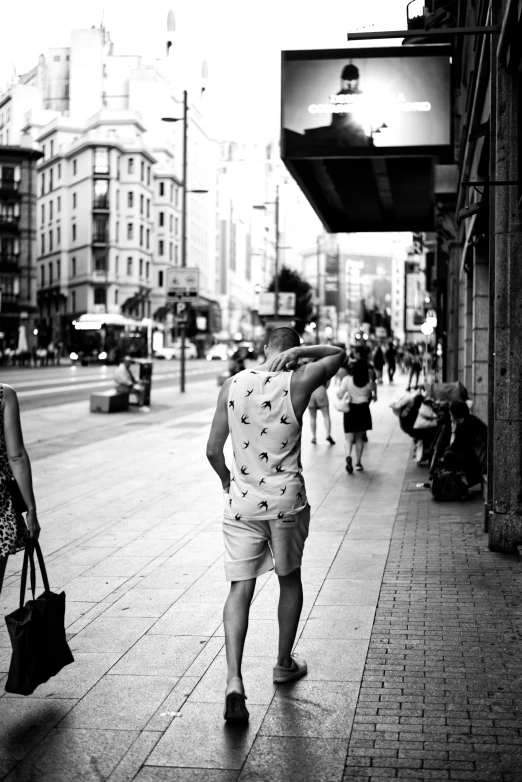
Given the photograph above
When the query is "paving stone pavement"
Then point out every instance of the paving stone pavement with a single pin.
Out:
(410, 626)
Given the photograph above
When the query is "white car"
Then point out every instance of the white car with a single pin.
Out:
(219, 352)
(174, 351)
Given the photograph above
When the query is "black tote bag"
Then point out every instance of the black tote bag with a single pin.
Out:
(37, 632)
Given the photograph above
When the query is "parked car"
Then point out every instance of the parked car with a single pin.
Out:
(219, 352)
(167, 353)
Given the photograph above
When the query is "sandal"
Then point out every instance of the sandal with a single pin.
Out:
(235, 706)
(359, 467)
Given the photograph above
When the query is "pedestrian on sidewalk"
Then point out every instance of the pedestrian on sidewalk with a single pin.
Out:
(361, 388)
(15, 467)
(266, 514)
(390, 358)
(378, 363)
(319, 401)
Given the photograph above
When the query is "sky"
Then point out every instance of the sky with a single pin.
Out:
(240, 39)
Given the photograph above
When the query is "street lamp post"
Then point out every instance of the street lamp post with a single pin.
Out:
(277, 248)
(184, 192)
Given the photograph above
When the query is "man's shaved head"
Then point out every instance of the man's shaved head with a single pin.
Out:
(283, 339)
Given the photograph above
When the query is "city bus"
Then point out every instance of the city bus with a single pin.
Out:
(105, 339)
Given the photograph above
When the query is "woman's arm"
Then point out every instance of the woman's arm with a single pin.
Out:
(343, 388)
(18, 457)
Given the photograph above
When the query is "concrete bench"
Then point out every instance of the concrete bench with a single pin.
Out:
(111, 401)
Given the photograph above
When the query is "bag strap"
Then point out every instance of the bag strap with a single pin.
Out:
(28, 560)
(41, 563)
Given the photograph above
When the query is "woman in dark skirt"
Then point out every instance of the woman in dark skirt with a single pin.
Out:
(360, 386)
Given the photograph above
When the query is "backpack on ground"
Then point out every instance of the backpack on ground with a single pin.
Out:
(448, 486)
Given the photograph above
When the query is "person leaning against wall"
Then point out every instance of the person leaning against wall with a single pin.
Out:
(15, 476)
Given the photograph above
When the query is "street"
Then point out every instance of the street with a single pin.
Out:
(131, 531)
(47, 386)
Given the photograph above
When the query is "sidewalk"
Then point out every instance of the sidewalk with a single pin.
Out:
(396, 632)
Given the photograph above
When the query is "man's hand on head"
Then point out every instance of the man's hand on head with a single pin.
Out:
(288, 359)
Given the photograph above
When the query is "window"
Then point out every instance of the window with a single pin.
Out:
(148, 207)
(162, 188)
(176, 196)
(56, 58)
(100, 260)
(162, 218)
(148, 238)
(50, 274)
(117, 232)
(160, 279)
(117, 200)
(58, 270)
(116, 296)
(101, 194)
(99, 296)
(59, 171)
(58, 204)
(142, 204)
(141, 267)
(172, 194)
(42, 276)
(50, 211)
(176, 229)
(100, 229)
(141, 236)
(176, 251)
(74, 200)
(171, 251)
(129, 267)
(42, 185)
(171, 223)
(75, 167)
(147, 270)
(42, 244)
(130, 231)
(50, 179)
(58, 236)
(101, 160)
(148, 175)
(117, 265)
(73, 267)
(44, 150)
(43, 213)
(161, 247)
(74, 232)
(73, 301)
(130, 165)
(50, 241)
(130, 199)
(52, 149)
(142, 171)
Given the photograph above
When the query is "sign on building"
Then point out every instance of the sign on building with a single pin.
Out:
(286, 304)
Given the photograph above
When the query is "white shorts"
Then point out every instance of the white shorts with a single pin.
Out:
(255, 547)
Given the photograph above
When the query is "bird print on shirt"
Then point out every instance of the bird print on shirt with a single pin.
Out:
(285, 392)
(262, 504)
(284, 420)
(238, 516)
(264, 431)
(280, 514)
(231, 404)
(262, 481)
(279, 467)
(266, 406)
(283, 490)
(246, 444)
(244, 419)
(251, 391)
(244, 493)
(244, 470)
(284, 444)
(268, 380)
(264, 455)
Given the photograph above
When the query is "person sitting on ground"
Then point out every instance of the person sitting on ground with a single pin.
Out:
(266, 513)
(125, 380)
(468, 434)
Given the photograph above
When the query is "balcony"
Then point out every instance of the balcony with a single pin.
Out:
(9, 223)
(101, 204)
(8, 187)
(100, 237)
(9, 262)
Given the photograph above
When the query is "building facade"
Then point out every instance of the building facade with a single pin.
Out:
(18, 303)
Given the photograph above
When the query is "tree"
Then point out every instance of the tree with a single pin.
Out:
(291, 281)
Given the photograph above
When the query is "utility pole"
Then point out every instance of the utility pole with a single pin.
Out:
(184, 232)
(318, 288)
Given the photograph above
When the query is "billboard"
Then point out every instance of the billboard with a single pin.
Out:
(285, 304)
(365, 102)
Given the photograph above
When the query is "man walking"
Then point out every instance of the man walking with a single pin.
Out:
(266, 515)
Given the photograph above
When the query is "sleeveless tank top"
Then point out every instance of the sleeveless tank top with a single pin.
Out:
(266, 475)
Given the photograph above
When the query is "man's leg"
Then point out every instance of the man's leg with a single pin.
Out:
(327, 424)
(288, 613)
(235, 618)
(313, 422)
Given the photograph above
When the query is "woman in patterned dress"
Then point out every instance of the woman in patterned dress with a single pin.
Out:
(14, 463)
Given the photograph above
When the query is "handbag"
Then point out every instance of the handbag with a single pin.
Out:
(342, 404)
(37, 632)
(18, 501)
